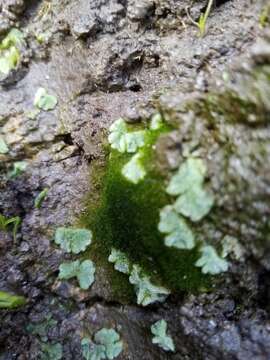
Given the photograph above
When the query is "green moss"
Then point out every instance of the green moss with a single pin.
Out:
(125, 216)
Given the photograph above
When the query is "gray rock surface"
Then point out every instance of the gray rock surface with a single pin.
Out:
(104, 59)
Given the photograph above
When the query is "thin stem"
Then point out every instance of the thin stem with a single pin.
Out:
(203, 18)
(208, 9)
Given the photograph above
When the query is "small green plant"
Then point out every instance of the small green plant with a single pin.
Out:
(92, 351)
(73, 240)
(134, 171)
(124, 141)
(193, 201)
(44, 101)
(51, 351)
(210, 262)
(201, 24)
(6, 222)
(147, 293)
(10, 51)
(84, 272)
(120, 260)
(41, 329)
(40, 198)
(18, 168)
(179, 235)
(128, 221)
(191, 172)
(156, 122)
(161, 338)
(110, 339)
(107, 345)
(9, 301)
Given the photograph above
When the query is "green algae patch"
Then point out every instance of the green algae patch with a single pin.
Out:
(125, 216)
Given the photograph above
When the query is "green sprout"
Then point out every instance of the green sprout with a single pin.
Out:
(201, 24)
(40, 198)
(5, 222)
(9, 301)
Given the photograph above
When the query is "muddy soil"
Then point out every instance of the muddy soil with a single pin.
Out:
(105, 59)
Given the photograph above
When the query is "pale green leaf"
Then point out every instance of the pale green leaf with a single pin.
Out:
(44, 101)
(9, 53)
(51, 351)
(92, 351)
(146, 292)
(42, 328)
(73, 240)
(9, 59)
(124, 141)
(14, 37)
(194, 203)
(14, 221)
(86, 274)
(5, 66)
(231, 246)
(3, 146)
(18, 168)
(210, 262)
(134, 140)
(69, 270)
(190, 173)
(111, 340)
(40, 198)
(156, 122)
(134, 171)
(161, 338)
(117, 134)
(83, 271)
(179, 233)
(120, 260)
